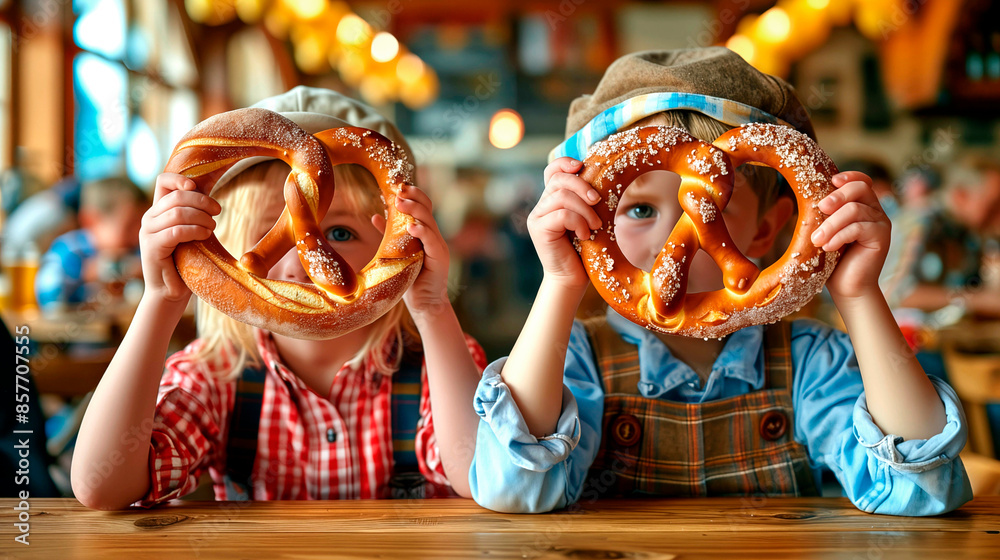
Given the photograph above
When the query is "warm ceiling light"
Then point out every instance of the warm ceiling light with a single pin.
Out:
(250, 11)
(307, 9)
(352, 30)
(741, 45)
(311, 54)
(352, 67)
(385, 47)
(421, 93)
(506, 129)
(375, 91)
(209, 12)
(774, 25)
(278, 20)
(409, 68)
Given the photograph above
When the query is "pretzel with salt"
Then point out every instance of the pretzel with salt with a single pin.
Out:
(658, 300)
(339, 299)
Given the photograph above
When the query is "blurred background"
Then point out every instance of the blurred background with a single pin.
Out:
(95, 93)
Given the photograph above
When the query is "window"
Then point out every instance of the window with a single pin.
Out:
(253, 71)
(6, 109)
(133, 86)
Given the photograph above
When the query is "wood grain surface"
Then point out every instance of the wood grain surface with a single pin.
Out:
(739, 528)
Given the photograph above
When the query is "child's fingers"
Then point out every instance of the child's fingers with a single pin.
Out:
(410, 192)
(184, 199)
(563, 221)
(435, 247)
(169, 182)
(419, 211)
(378, 220)
(855, 191)
(848, 215)
(179, 216)
(856, 232)
(573, 183)
(561, 165)
(844, 177)
(566, 200)
(417, 204)
(172, 237)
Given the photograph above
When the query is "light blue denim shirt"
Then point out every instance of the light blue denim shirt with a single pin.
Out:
(513, 471)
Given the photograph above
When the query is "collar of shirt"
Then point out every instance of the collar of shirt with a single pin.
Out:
(272, 359)
(269, 353)
(660, 373)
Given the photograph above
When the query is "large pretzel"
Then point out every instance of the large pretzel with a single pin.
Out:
(339, 300)
(658, 300)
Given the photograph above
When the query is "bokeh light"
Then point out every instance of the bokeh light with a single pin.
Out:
(385, 47)
(506, 129)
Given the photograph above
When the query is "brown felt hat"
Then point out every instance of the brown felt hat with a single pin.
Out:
(711, 71)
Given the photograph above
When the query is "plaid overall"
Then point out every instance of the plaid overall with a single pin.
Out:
(735, 446)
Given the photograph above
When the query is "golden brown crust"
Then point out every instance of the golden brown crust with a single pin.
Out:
(658, 300)
(340, 299)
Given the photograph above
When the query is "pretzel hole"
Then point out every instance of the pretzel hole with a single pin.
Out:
(346, 227)
(648, 210)
(251, 204)
(645, 214)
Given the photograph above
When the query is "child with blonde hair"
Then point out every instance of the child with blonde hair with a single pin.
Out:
(267, 416)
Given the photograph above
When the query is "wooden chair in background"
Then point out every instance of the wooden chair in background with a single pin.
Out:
(972, 357)
(973, 362)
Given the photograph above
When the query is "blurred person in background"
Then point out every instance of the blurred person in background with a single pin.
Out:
(103, 253)
(39, 219)
(920, 208)
(954, 270)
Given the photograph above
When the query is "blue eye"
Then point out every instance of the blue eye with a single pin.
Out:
(339, 234)
(641, 212)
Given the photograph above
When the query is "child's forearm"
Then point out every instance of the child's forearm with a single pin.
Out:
(534, 370)
(110, 470)
(901, 399)
(453, 376)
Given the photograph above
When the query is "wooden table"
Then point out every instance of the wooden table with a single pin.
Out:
(742, 528)
(91, 326)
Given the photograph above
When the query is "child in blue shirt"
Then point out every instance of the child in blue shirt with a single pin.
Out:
(602, 407)
(103, 253)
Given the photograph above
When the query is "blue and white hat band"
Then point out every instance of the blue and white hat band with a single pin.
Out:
(627, 113)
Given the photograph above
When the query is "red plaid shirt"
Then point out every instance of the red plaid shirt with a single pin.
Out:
(294, 459)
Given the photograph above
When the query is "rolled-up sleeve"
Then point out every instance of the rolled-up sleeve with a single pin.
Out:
(880, 473)
(179, 449)
(192, 411)
(516, 472)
